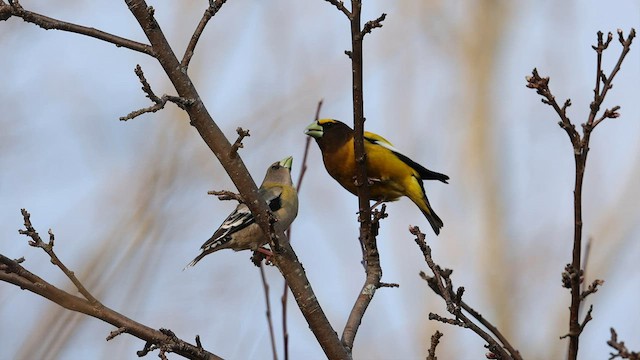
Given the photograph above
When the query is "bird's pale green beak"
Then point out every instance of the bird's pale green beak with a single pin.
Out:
(314, 130)
(287, 162)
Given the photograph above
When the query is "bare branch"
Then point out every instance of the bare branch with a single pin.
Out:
(272, 335)
(621, 350)
(435, 340)
(36, 241)
(15, 9)
(226, 195)
(341, 7)
(372, 24)
(116, 332)
(442, 285)
(238, 143)
(541, 85)
(160, 102)
(13, 273)
(572, 276)
(591, 289)
(211, 11)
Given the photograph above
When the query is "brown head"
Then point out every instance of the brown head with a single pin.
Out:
(330, 134)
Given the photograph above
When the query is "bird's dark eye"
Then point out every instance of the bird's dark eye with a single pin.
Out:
(275, 167)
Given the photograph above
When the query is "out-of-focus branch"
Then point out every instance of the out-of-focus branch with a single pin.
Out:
(15, 9)
(272, 335)
(621, 349)
(12, 272)
(572, 276)
(441, 284)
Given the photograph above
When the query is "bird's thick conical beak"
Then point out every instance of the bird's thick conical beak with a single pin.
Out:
(314, 130)
(287, 162)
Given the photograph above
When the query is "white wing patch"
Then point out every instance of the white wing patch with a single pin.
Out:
(384, 144)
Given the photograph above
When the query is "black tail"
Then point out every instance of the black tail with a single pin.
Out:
(434, 220)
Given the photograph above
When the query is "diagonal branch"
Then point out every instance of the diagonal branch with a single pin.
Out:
(372, 24)
(211, 11)
(285, 257)
(442, 285)
(340, 5)
(15, 9)
(12, 272)
(621, 349)
(36, 241)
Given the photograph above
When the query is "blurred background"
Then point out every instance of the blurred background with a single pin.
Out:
(444, 81)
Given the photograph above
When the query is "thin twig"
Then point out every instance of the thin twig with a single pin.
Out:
(372, 24)
(341, 7)
(116, 332)
(13, 273)
(36, 241)
(211, 11)
(621, 349)
(15, 9)
(160, 102)
(593, 287)
(435, 340)
(226, 195)
(272, 335)
(442, 285)
(242, 133)
(572, 275)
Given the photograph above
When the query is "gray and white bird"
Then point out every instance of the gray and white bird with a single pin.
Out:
(239, 231)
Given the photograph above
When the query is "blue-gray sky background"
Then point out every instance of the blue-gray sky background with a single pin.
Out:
(444, 81)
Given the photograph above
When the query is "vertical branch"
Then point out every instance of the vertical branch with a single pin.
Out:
(572, 277)
(371, 258)
(265, 286)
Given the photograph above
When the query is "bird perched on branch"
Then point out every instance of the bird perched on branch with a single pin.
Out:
(391, 174)
(239, 231)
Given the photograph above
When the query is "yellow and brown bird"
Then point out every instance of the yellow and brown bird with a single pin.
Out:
(239, 231)
(391, 174)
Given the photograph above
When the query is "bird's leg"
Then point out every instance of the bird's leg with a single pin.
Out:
(267, 253)
(261, 254)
